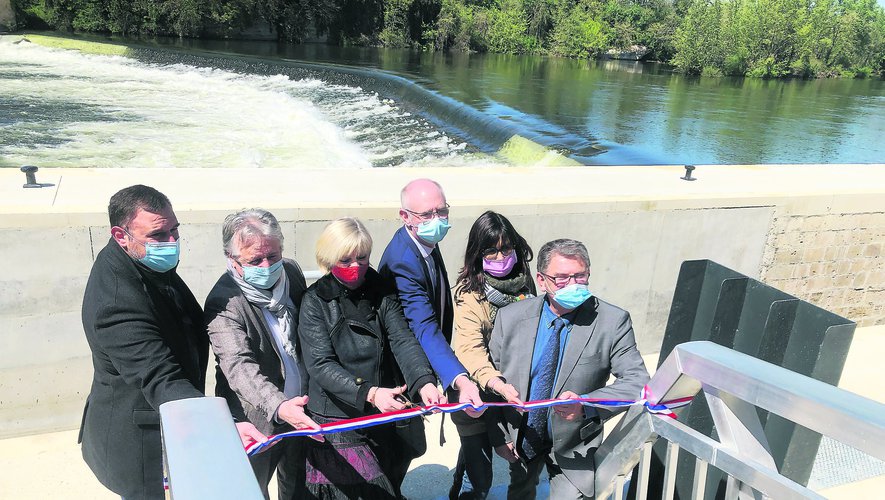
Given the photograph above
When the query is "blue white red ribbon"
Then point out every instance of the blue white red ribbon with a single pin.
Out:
(662, 408)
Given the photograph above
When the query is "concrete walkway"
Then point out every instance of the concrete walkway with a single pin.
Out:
(82, 194)
(50, 466)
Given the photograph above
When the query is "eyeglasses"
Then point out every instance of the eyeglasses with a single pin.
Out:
(442, 213)
(561, 280)
(492, 252)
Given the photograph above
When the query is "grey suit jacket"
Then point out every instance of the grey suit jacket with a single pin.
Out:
(601, 343)
(249, 371)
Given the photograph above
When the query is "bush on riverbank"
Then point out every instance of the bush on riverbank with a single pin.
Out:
(775, 38)
(757, 38)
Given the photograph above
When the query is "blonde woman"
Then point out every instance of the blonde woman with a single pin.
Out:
(362, 359)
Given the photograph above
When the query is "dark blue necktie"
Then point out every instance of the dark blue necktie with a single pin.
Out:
(535, 438)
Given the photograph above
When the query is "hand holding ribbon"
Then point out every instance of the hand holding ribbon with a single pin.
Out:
(661, 408)
(505, 390)
(292, 412)
(430, 395)
(387, 400)
(569, 412)
(468, 394)
(249, 435)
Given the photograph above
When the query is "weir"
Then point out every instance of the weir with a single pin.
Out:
(481, 132)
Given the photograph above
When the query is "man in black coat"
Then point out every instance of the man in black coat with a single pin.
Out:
(148, 342)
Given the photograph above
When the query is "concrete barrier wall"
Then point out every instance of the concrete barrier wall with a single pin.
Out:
(639, 225)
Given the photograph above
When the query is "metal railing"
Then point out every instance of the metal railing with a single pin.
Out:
(202, 452)
(734, 386)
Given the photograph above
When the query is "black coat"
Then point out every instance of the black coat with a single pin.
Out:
(149, 346)
(353, 340)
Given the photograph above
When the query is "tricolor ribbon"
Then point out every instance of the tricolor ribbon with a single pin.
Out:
(350, 424)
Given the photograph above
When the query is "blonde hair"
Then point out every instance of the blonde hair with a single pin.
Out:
(341, 238)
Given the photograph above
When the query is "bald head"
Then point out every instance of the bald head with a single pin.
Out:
(421, 200)
(420, 189)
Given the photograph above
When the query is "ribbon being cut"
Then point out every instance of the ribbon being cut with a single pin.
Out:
(663, 408)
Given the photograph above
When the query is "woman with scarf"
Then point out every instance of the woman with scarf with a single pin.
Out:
(495, 273)
(362, 359)
(252, 317)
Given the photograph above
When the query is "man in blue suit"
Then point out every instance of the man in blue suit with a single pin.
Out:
(414, 262)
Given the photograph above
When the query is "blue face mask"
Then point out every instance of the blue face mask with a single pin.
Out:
(161, 257)
(434, 230)
(572, 296)
(263, 277)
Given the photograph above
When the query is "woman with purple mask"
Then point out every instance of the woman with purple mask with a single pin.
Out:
(495, 273)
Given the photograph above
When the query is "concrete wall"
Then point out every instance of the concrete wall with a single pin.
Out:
(638, 234)
(7, 16)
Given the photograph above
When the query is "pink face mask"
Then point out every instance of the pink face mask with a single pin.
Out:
(500, 268)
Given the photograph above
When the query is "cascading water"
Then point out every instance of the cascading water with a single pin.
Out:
(60, 108)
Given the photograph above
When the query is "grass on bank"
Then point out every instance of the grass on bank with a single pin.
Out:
(84, 46)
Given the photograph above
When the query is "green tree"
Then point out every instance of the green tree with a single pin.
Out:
(578, 33)
(697, 41)
(396, 24)
(508, 29)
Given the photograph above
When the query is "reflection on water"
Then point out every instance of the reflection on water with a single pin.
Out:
(640, 113)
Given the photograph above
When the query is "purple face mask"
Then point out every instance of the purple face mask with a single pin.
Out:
(500, 268)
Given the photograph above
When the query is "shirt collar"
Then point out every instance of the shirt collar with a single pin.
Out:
(548, 316)
(425, 252)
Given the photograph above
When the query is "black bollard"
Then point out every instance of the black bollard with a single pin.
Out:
(31, 177)
(688, 177)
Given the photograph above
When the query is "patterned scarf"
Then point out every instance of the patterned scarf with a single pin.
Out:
(501, 292)
(276, 300)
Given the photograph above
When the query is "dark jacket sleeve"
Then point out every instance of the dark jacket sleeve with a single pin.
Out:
(418, 311)
(409, 356)
(129, 334)
(319, 356)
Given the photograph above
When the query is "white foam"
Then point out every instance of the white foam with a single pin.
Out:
(142, 115)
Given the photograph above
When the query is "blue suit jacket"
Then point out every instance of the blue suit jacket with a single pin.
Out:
(403, 263)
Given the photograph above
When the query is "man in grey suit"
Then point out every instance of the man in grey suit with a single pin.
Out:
(252, 315)
(574, 341)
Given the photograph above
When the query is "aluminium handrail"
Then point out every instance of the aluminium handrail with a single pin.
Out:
(842, 415)
(734, 385)
(202, 453)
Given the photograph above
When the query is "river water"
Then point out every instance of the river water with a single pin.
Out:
(65, 109)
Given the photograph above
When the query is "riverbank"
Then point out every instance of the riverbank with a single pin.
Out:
(815, 231)
(734, 37)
